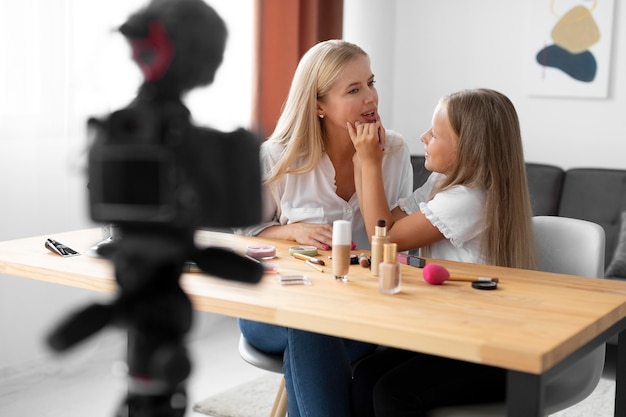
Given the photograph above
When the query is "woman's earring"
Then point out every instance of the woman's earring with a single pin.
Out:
(321, 116)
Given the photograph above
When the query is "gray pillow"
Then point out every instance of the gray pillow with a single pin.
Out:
(617, 267)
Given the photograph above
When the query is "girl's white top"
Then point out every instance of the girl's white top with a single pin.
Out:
(458, 213)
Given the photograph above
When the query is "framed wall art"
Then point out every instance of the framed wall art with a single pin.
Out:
(569, 48)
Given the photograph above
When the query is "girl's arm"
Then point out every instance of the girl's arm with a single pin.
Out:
(408, 231)
(368, 176)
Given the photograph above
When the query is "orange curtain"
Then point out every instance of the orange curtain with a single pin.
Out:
(286, 29)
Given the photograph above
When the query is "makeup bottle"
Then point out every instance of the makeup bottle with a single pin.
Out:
(342, 240)
(378, 240)
(389, 270)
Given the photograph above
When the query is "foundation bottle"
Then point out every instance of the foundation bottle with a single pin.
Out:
(378, 240)
(342, 244)
(389, 270)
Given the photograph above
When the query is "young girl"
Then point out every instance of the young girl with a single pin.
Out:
(308, 183)
(474, 207)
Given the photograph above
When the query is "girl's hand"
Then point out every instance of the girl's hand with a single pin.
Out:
(368, 140)
(382, 135)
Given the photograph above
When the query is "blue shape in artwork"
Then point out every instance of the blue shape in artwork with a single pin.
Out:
(581, 67)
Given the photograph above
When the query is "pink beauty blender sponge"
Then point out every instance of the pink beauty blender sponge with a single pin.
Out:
(435, 274)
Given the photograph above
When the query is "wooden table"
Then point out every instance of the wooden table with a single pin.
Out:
(534, 324)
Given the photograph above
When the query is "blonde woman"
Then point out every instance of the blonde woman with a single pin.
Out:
(307, 161)
(474, 207)
(309, 183)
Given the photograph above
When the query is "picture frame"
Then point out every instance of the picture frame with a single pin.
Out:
(569, 48)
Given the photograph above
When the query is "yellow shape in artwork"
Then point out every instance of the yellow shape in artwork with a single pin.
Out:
(576, 31)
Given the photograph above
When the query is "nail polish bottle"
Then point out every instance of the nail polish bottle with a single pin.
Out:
(378, 240)
(342, 238)
(389, 271)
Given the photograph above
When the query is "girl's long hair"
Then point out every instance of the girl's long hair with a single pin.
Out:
(299, 130)
(490, 156)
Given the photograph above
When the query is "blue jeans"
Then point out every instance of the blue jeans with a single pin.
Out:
(317, 368)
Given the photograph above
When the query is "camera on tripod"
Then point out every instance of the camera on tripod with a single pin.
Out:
(159, 177)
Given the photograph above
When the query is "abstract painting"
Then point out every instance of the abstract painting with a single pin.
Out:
(569, 50)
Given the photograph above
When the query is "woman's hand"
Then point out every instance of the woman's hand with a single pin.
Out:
(318, 235)
(311, 234)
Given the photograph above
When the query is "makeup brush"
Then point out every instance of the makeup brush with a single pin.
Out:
(304, 257)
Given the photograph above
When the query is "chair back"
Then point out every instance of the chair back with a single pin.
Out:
(569, 246)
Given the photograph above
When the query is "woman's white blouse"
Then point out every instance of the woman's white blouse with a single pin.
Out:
(312, 197)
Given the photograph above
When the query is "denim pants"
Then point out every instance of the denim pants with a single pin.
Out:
(317, 367)
(398, 383)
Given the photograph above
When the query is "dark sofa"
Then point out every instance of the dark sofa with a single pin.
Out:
(594, 194)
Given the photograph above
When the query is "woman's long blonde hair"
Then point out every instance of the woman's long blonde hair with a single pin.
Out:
(299, 130)
(490, 156)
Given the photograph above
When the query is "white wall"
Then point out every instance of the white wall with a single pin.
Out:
(424, 49)
(60, 62)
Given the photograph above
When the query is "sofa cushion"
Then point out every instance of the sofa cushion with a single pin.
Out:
(597, 195)
(420, 174)
(617, 267)
(544, 185)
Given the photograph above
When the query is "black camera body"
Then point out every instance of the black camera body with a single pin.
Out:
(149, 166)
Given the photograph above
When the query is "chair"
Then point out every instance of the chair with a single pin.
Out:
(560, 244)
(269, 362)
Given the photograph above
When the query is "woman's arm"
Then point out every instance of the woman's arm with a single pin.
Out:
(314, 234)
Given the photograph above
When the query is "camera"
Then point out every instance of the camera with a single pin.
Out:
(149, 165)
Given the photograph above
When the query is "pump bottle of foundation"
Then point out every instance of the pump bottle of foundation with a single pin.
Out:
(342, 239)
(378, 240)
(389, 270)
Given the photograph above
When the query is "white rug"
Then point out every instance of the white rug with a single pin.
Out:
(251, 399)
(255, 398)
